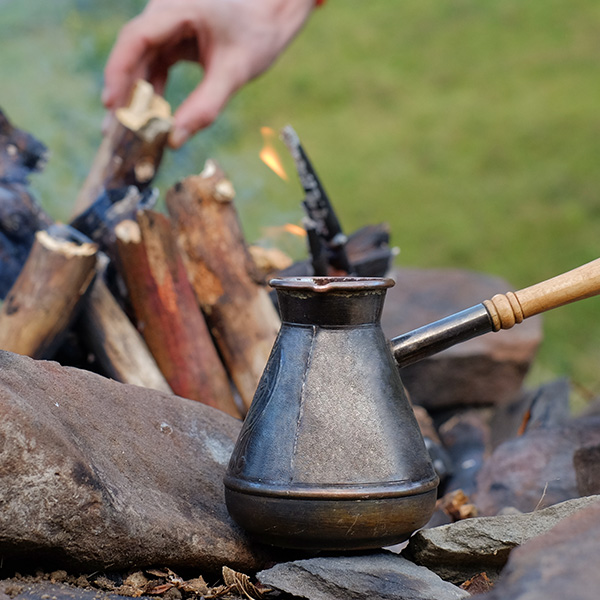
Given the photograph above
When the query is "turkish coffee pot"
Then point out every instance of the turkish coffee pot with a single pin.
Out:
(330, 456)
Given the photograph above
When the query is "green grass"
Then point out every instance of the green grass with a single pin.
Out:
(471, 127)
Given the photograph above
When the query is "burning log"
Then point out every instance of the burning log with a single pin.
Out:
(238, 310)
(368, 251)
(132, 149)
(45, 297)
(320, 212)
(167, 312)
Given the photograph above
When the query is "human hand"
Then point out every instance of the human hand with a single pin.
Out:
(234, 40)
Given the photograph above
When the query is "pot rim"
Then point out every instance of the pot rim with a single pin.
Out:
(329, 284)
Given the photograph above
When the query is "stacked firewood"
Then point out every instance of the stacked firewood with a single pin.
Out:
(173, 301)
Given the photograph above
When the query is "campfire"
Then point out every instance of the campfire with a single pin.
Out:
(174, 302)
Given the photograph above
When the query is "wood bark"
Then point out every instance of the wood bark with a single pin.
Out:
(117, 344)
(45, 297)
(131, 150)
(237, 307)
(167, 312)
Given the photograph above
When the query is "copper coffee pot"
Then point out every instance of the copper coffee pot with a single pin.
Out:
(330, 456)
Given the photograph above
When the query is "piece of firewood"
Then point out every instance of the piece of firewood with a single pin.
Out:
(237, 307)
(116, 343)
(45, 297)
(131, 150)
(167, 312)
(20, 214)
(20, 153)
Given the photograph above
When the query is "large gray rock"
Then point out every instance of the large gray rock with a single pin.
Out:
(97, 474)
(535, 470)
(458, 551)
(486, 370)
(380, 575)
(563, 563)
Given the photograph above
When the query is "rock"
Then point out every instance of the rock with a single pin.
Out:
(540, 408)
(461, 550)
(101, 475)
(16, 589)
(379, 575)
(560, 564)
(485, 370)
(536, 469)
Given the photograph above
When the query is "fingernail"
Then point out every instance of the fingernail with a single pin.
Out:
(178, 137)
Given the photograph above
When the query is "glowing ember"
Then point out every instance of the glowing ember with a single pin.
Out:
(268, 154)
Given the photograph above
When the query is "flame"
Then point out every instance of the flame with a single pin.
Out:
(268, 154)
(277, 230)
(294, 229)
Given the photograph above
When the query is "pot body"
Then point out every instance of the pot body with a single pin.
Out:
(330, 455)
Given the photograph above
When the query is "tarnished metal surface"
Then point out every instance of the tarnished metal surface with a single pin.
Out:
(330, 455)
(439, 335)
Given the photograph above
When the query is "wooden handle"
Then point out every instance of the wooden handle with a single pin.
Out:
(507, 309)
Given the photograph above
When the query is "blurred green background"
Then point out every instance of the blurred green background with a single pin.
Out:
(471, 127)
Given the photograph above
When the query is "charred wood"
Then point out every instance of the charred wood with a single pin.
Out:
(20, 214)
(318, 206)
(368, 251)
(20, 153)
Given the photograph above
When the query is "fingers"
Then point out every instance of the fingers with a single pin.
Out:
(136, 50)
(203, 105)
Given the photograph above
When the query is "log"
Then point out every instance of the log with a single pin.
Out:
(318, 206)
(132, 149)
(20, 153)
(20, 214)
(241, 317)
(45, 297)
(116, 343)
(368, 251)
(167, 312)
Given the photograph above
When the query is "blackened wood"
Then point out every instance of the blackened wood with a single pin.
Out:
(20, 152)
(466, 437)
(368, 251)
(20, 214)
(98, 222)
(318, 206)
(167, 312)
(238, 310)
(45, 297)
(586, 462)
(132, 149)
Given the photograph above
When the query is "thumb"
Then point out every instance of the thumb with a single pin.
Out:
(205, 103)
